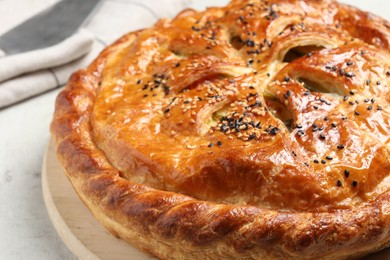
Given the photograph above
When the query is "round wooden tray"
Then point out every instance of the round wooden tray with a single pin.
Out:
(75, 224)
(78, 228)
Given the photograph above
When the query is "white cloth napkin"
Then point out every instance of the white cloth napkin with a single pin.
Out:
(110, 20)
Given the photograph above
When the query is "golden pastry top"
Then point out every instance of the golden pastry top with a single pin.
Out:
(252, 103)
(255, 131)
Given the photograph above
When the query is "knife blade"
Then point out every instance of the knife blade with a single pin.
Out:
(48, 28)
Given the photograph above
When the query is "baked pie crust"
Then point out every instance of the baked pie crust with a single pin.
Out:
(255, 131)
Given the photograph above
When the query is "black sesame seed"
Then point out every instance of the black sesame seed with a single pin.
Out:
(388, 73)
(167, 110)
(323, 161)
(301, 133)
(287, 94)
(339, 183)
(307, 164)
(378, 83)
(322, 136)
(357, 113)
(349, 63)
(366, 100)
(195, 28)
(369, 108)
(299, 126)
(294, 153)
(334, 125)
(252, 136)
(274, 131)
(210, 145)
(346, 173)
(253, 95)
(354, 183)
(373, 100)
(368, 82)
(326, 118)
(250, 43)
(341, 72)
(316, 161)
(345, 98)
(380, 108)
(351, 103)
(340, 146)
(315, 107)
(350, 74)
(329, 158)
(363, 52)
(224, 128)
(173, 100)
(286, 79)
(177, 65)
(168, 89)
(219, 143)
(352, 93)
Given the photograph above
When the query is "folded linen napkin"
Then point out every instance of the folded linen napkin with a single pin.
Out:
(55, 64)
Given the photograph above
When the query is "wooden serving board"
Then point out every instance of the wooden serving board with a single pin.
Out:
(75, 224)
(78, 228)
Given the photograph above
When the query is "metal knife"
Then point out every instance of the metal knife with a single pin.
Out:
(44, 31)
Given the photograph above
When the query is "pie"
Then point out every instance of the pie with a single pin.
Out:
(259, 130)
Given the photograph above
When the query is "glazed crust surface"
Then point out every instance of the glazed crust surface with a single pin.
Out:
(254, 131)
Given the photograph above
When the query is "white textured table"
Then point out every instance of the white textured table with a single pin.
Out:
(25, 229)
